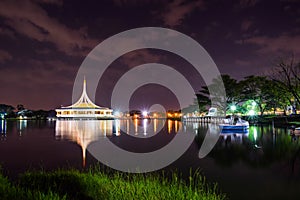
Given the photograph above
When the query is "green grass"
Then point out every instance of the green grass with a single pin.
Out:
(10, 192)
(73, 184)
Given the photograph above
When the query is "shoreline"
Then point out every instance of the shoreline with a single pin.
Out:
(277, 121)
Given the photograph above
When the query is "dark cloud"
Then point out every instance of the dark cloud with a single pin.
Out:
(43, 42)
(273, 45)
(247, 3)
(54, 2)
(34, 22)
(246, 24)
(176, 11)
(4, 56)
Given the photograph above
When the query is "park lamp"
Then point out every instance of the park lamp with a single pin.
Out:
(233, 108)
(251, 112)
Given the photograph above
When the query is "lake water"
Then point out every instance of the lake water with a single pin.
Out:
(263, 164)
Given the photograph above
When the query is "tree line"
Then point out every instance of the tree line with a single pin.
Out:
(9, 111)
(279, 88)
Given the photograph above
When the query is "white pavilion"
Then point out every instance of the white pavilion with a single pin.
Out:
(84, 108)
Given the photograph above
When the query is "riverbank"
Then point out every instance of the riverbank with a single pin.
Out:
(73, 184)
(277, 120)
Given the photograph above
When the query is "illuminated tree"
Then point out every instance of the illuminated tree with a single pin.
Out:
(286, 74)
(7, 109)
(256, 88)
(232, 90)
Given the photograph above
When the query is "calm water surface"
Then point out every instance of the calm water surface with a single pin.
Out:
(263, 164)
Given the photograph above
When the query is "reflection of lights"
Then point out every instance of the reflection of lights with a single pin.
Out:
(176, 126)
(117, 128)
(145, 126)
(127, 126)
(104, 131)
(22, 124)
(136, 126)
(255, 134)
(169, 126)
(83, 132)
(3, 126)
(195, 127)
(155, 125)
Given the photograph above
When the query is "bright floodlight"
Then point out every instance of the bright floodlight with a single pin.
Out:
(145, 113)
(253, 103)
(233, 107)
(251, 112)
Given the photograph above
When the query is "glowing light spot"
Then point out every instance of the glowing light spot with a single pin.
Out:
(145, 113)
(251, 112)
(233, 107)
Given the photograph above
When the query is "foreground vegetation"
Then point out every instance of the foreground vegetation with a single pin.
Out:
(73, 184)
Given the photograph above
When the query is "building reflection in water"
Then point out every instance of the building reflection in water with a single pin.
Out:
(83, 132)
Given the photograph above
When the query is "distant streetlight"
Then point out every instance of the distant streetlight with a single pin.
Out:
(117, 113)
(145, 113)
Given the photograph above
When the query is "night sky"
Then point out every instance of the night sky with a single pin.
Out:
(44, 42)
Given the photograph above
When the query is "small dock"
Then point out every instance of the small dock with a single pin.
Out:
(204, 119)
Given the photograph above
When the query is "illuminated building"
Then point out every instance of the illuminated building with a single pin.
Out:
(84, 108)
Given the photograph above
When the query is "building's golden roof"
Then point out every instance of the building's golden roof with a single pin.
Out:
(84, 101)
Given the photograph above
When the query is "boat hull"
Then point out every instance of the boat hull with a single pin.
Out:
(225, 128)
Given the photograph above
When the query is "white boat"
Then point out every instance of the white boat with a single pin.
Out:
(230, 125)
(295, 131)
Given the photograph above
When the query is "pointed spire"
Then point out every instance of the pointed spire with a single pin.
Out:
(84, 94)
(84, 83)
(84, 101)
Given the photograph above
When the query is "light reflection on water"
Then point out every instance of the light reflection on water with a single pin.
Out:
(3, 128)
(259, 159)
(84, 132)
(275, 146)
